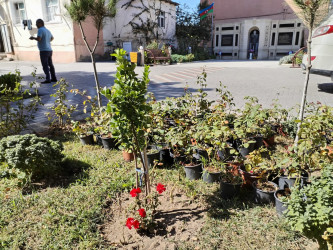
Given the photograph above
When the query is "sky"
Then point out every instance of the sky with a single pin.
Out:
(191, 3)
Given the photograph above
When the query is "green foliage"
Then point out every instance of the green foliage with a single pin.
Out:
(128, 104)
(181, 58)
(286, 59)
(61, 110)
(310, 209)
(9, 81)
(152, 45)
(31, 154)
(190, 30)
(15, 112)
(79, 10)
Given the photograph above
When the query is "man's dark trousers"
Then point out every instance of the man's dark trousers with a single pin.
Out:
(46, 59)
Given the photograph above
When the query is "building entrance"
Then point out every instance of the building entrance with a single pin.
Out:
(253, 44)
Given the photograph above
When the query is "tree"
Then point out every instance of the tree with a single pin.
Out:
(130, 110)
(98, 10)
(312, 13)
(190, 30)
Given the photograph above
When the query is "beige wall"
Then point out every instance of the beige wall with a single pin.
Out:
(61, 28)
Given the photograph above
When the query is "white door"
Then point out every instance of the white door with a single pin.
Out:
(5, 38)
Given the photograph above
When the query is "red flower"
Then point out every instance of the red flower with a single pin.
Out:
(136, 224)
(142, 212)
(160, 188)
(135, 191)
(129, 223)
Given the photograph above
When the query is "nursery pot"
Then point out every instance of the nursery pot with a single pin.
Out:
(128, 156)
(246, 151)
(98, 139)
(280, 206)
(229, 190)
(109, 143)
(247, 177)
(193, 172)
(264, 197)
(199, 153)
(165, 157)
(285, 181)
(259, 141)
(211, 177)
(223, 154)
(87, 140)
(151, 158)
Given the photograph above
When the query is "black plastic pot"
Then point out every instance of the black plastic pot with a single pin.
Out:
(229, 190)
(280, 206)
(193, 172)
(165, 157)
(259, 141)
(211, 177)
(246, 151)
(289, 182)
(87, 140)
(263, 197)
(99, 140)
(151, 158)
(200, 153)
(223, 154)
(109, 143)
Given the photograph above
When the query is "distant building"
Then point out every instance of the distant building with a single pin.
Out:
(136, 23)
(261, 29)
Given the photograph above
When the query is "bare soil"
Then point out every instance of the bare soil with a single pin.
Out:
(266, 186)
(178, 219)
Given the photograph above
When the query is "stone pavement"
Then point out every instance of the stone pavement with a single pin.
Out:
(263, 79)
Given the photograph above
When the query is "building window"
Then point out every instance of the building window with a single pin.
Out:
(52, 9)
(287, 25)
(274, 26)
(273, 39)
(227, 28)
(217, 41)
(20, 12)
(161, 19)
(236, 40)
(217, 28)
(227, 40)
(285, 38)
(237, 27)
(297, 38)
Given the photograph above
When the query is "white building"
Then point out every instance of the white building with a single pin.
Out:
(159, 16)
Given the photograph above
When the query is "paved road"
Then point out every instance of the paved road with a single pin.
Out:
(263, 79)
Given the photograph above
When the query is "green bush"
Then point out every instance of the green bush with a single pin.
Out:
(31, 154)
(286, 59)
(9, 81)
(180, 58)
(310, 209)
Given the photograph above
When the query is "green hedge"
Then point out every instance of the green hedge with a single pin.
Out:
(31, 154)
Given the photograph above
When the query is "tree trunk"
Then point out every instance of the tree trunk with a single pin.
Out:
(98, 88)
(305, 89)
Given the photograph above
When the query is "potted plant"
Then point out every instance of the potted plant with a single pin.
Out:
(230, 183)
(84, 131)
(212, 170)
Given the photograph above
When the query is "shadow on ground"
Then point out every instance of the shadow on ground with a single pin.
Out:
(326, 87)
(69, 172)
(222, 209)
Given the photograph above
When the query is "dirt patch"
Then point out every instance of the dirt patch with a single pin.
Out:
(179, 219)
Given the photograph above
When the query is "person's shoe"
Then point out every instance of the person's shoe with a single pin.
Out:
(54, 80)
(46, 81)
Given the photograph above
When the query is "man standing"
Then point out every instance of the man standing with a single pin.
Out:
(44, 38)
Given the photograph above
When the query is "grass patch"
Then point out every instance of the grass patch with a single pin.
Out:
(68, 211)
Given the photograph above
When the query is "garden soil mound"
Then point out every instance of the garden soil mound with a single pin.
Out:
(179, 220)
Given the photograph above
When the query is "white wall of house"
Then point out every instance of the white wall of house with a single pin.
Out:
(55, 20)
(119, 31)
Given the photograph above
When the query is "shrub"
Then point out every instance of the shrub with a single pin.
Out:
(31, 154)
(181, 58)
(9, 81)
(152, 45)
(15, 112)
(310, 209)
(286, 59)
